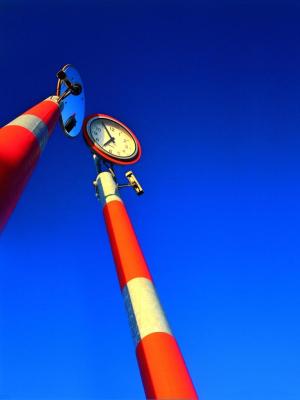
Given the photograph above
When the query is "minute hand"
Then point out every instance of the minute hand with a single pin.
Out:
(110, 137)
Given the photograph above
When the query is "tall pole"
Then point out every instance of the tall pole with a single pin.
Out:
(21, 144)
(162, 367)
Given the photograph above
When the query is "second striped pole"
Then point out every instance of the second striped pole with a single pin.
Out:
(162, 367)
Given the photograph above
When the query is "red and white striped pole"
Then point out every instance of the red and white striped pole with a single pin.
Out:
(162, 367)
(21, 144)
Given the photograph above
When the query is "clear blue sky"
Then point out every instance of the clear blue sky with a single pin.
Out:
(212, 90)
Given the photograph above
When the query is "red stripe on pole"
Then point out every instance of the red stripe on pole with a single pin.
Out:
(127, 253)
(48, 111)
(163, 370)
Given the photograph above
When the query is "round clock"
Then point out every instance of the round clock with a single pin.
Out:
(111, 139)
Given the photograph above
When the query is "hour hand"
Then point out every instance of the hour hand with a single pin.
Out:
(112, 139)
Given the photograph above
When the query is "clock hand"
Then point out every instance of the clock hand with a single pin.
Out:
(110, 137)
(109, 141)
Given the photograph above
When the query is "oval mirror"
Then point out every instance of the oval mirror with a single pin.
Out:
(72, 105)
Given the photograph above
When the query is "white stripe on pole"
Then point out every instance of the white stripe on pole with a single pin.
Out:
(145, 313)
(35, 125)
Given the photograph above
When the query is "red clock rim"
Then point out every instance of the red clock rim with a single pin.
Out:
(99, 151)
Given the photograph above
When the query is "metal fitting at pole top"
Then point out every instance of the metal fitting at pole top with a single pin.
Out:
(106, 188)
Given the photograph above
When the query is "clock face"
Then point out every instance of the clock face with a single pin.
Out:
(111, 139)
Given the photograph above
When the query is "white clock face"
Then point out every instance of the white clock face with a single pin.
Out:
(112, 138)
